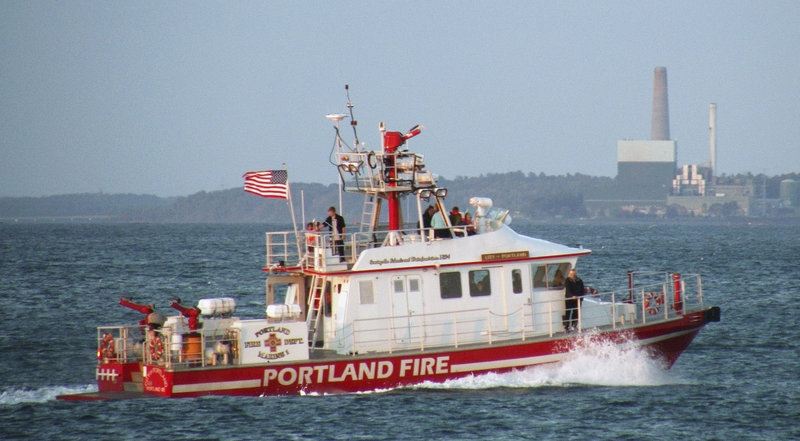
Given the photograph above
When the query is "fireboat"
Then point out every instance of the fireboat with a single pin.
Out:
(392, 306)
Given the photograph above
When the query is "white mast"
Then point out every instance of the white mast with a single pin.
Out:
(336, 117)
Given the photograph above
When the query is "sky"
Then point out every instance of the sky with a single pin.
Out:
(173, 98)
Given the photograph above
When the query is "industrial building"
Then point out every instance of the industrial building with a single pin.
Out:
(649, 180)
(645, 168)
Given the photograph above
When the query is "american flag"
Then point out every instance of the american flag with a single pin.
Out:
(267, 183)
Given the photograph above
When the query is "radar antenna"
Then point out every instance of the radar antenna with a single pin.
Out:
(353, 121)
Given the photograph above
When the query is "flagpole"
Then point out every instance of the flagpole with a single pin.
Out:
(294, 221)
(303, 207)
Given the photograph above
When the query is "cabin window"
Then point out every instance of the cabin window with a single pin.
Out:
(279, 293)
(557, 273)
(539, 276)
(399, 286)
(450, 285)
(479, 284)
(413, 284)
(550, 276)
(516, 281)
(366, 292)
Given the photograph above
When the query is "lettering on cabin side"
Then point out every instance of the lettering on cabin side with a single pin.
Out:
(357, 371)
(269, 329)
(504, 256)
(411, 259)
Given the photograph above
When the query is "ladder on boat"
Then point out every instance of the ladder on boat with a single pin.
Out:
(316, 305)
(370, 213)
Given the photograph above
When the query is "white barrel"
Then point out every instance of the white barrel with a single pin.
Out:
(176, 342)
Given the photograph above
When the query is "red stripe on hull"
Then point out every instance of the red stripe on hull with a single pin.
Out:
(665, 340)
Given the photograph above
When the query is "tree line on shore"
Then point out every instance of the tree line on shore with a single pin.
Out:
(526, 195)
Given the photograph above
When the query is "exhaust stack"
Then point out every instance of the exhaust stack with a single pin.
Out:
(659, 130)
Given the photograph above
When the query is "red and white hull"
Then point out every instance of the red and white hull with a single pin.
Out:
(664, 341)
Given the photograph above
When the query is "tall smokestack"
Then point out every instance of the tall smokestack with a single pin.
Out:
(712, 139)
(659, 130)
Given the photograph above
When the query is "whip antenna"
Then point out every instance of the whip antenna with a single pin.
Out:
(353, 121)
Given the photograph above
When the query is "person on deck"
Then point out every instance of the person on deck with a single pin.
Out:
(440, 229)
(426, 217)
(467, 222)
(310, 236)
(455, 220)
(573, 287)
(455, 217)
(335, 224)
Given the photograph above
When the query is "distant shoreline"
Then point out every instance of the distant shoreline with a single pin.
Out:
(711, 221)
(530, 197)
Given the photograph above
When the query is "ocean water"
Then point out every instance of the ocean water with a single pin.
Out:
(738, 380)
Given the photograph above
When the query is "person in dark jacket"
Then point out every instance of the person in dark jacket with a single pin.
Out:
(573, 287)
(426, 217)
(455, 217)
(335, 224)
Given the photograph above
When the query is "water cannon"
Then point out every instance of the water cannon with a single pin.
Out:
(393, 140)
(128, 303)
(152, 318)
(190, 312)
(414, 131)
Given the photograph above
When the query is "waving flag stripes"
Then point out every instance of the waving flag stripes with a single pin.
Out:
(268, 183)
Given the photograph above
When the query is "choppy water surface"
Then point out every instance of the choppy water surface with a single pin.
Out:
(738, 380)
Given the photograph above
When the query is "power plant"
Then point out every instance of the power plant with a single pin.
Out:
(649, 179)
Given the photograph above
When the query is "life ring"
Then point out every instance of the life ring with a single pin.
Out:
(107, 346)
(156, 348)
(653, 302)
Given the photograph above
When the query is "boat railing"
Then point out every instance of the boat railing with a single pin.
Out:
(382, 172)
(195, 349)
(282, 250)
(119, 343)
(319, 250)
(650, 302)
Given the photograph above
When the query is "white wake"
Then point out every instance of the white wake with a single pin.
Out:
(11, 397)
(589, 362)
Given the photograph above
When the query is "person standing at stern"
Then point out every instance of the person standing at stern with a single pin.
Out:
(573, 288)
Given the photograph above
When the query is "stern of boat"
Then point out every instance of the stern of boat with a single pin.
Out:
(119, 351)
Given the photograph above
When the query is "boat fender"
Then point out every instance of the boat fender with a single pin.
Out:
(712, 314)
(107, 347)
(652, 303)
